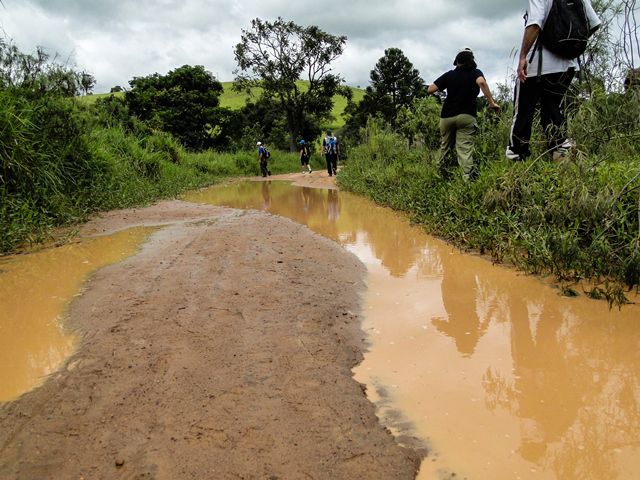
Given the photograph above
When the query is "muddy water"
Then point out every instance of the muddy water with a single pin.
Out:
(497, 373)
(34, 291)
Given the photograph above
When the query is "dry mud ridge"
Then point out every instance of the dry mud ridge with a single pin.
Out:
(222, 350)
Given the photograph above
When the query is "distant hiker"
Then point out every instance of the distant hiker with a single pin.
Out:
(263, 157)
(458, 116)
(331, 152)
(305, 155)
(555, 35)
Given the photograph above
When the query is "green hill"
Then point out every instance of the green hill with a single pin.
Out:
(235, 100)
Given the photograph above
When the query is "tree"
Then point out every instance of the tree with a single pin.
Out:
(275, 56)
(395, 79)
(183, 102)
(395, 84)
(36, 74)
(86, 82)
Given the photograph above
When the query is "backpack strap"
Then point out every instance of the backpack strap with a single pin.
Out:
(539, 59)
(579, 60)
(537, 46)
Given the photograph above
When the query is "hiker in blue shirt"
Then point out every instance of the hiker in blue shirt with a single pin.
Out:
(263, 155)
(331, 152)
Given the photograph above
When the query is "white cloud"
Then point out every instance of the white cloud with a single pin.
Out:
(121, 39)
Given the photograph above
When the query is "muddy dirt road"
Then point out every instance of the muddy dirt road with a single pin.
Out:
(223, 349)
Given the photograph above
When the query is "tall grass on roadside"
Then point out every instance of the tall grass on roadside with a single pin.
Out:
(58, 167)
(46, 165)
(577, 219)
(60, 163)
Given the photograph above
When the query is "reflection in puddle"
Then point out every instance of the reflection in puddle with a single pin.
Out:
(34, 291)
(501, 376)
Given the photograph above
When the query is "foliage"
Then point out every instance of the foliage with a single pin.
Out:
(38, 74)
(48, 182)
(62, 158)
(184, 102)
(420, 122)
(236, 100)
(275, 55)
(395, 85)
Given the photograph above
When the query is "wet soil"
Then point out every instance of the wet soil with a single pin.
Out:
(223, 349)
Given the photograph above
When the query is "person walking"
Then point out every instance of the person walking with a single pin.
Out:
(458, 116)
(331, 151)
(543, 78)
(263, 156)
(305, 155)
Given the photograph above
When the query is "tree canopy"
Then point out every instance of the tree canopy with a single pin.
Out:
(276, 55)
(184, 102)
(395, 77)
(394, 85)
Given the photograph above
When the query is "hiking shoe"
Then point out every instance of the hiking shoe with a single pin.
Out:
(559, 154)
(563, 150)
(511, 155)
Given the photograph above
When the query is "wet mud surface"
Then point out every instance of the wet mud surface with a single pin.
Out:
(223, 349)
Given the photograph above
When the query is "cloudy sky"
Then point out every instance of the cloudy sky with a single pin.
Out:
(120, 39)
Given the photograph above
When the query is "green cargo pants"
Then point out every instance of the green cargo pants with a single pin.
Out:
(458, 131)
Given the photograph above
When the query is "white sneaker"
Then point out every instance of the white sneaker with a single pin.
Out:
(559, 154)
(568, 144)
(563, 150)
(511, 155)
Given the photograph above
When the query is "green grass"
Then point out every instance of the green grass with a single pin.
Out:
(235, 100)
(91, 99)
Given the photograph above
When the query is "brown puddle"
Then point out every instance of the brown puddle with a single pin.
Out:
(35, 289)
(497, 373)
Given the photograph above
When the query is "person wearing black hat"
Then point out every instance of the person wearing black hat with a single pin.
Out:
(331, 152)
(458, 116)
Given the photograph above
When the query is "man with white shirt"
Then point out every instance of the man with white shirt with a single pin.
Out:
(544, 80)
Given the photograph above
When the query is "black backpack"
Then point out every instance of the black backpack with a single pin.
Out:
(566, 29)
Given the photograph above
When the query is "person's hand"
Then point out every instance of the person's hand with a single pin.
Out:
(522, 69)
(495, 107)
